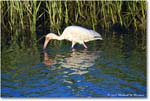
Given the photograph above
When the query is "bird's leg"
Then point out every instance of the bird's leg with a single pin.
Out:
(73, 43)
(84, 45)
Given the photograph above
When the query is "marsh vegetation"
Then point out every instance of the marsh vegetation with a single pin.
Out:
(24, 22)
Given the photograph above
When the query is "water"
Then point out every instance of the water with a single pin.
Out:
(114, 67)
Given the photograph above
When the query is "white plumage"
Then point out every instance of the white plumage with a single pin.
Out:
(75, 34)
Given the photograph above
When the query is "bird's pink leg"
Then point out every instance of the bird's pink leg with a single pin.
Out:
(84, 45)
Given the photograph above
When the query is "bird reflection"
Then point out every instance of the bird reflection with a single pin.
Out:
(47, 61)
(76, 60)
(79, 61)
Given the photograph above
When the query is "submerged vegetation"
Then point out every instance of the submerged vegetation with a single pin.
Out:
(24, 22)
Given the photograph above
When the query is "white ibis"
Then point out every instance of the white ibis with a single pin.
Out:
(75, 34)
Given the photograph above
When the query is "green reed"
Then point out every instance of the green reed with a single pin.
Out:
(32, 8)
(20, 18)
(54, 9)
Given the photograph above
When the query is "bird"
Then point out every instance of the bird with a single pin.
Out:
(75, 34)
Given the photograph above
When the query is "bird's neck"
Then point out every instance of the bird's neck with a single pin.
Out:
(59, 37)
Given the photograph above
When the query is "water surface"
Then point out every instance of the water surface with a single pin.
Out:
(114, 67)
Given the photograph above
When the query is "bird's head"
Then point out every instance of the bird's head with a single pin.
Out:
(48, 37)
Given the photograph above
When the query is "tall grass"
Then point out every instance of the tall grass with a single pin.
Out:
(54, 10)
(19, 21)
(19, 18)
(32, 8)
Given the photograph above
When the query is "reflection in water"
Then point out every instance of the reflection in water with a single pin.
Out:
(114, 68)
(47, 61)
(78, 61)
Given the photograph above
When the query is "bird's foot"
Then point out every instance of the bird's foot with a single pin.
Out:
(72, 49)
(85, 47)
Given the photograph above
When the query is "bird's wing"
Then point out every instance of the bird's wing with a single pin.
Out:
(79, 34)
(89, 35)
(95, 34)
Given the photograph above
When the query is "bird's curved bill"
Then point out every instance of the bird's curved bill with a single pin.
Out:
(46, 42)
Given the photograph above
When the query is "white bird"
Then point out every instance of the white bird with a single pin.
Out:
(75, 34)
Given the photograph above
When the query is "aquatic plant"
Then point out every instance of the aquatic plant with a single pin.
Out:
(19, 18)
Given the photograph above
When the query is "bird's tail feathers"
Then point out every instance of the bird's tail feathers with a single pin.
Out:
(93, 39)
(98, 37)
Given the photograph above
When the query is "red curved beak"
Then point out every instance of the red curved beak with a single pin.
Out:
(47, 39)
